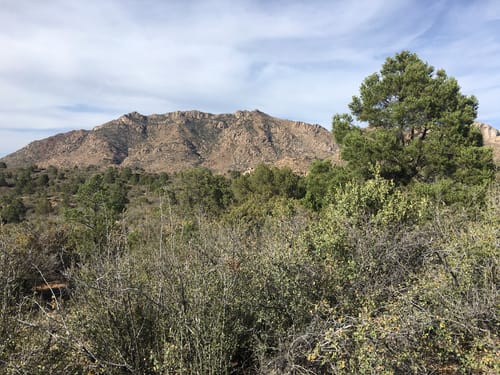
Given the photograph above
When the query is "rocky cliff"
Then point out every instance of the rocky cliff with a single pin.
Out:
(491, 138)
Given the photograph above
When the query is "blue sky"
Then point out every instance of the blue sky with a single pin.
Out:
(76, 64)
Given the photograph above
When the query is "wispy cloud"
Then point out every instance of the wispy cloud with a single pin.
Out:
(74, 64)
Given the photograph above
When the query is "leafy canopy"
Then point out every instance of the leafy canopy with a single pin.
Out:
(419, 125)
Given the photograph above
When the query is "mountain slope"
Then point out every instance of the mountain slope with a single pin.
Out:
(184, 139)
(180, 140)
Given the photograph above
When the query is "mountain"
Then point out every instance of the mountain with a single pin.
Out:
(180, 140)
(184, 139)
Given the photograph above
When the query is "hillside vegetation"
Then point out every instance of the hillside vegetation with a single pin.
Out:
(387, 264)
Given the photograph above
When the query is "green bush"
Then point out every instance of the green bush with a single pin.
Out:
(12, 210)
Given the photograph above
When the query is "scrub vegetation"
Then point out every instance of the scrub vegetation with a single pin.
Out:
(385, 264)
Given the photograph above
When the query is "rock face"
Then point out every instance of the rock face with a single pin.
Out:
(491, 138)
(180, 140)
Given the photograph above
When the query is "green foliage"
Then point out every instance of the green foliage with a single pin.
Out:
(343, 126)
(199, 191)
(98, 208)
(452, 193)
(347, 276)
(265, 182)
(419, 126)
(32, 340)
(12, 210)
(110, 175)
(126, 174)
(42, 180)
(3, 180)
(410, 297)
(217, 303)
(52, 171)
(254, 213)
(71, 183)
(377, 200)
(358, 234)
(266, 272)
(23, 182)
(264, 193)
(323, 177)
(43, 205)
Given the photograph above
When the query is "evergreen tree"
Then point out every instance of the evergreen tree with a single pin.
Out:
(12, 210)
(198, 190)
(3, 180)
(419, 126)
(322, 178)
(98, 206)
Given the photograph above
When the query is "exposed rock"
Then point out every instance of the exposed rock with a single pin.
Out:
(185, 139)
(491, 138)
(489, 133)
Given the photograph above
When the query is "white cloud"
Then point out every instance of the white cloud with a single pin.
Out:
(73, 64)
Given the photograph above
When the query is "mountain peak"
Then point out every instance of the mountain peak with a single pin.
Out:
(184, 139)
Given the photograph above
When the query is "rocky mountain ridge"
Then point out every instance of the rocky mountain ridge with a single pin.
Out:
(185, 139)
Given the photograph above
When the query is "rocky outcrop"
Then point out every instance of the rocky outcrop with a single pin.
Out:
(491, 138)
(185, 139)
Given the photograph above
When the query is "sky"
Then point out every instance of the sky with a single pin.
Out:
(73, 64)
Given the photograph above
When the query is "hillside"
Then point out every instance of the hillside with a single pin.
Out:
(180, 140)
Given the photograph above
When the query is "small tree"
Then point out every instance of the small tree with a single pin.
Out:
(42, 180)
(3, 180)
(199, 191)
(323, 176)
(267, 182)
(12, 210)
(419, 125)
(98, 207)
(43, 205)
